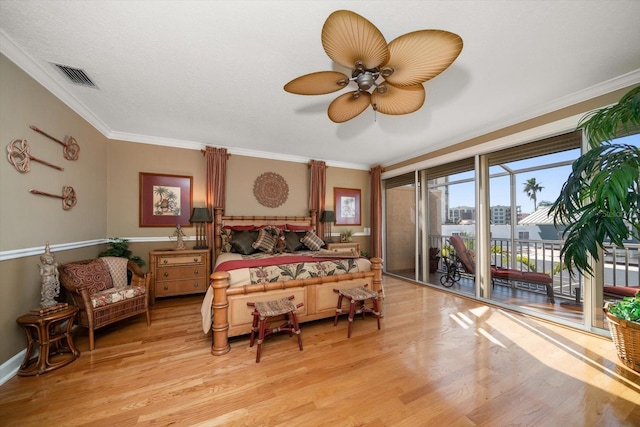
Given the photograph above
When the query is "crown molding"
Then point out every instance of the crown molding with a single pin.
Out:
(40, 75)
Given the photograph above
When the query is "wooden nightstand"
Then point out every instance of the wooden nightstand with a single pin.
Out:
(179, 272)
(345, 245)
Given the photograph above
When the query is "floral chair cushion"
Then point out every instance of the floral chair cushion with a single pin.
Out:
(109, 296)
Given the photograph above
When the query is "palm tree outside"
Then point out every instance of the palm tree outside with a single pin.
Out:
(532, 188)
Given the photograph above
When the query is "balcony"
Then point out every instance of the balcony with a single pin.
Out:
(620, 268)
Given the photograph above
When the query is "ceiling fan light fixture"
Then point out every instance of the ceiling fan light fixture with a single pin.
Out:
(389, 76)
(366, 80)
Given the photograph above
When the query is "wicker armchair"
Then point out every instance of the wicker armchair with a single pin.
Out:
(105, 290)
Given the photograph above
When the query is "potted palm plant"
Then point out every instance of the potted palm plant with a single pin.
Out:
(600, 202)
(119, 247)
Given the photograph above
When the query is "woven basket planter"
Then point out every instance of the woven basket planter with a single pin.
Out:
(626, 337)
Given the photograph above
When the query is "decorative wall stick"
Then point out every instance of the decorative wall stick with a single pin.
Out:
(19, 156)
(71, 149)
(68, 196)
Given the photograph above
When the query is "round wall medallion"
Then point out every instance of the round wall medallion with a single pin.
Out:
(271, 189)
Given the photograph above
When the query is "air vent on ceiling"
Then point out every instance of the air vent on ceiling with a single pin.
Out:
(76, 75)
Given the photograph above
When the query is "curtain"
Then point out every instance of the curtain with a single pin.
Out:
(317, 192)
(376, 211)
(216, 161)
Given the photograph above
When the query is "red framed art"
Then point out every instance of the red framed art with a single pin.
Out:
(347, 202)
(165, 200)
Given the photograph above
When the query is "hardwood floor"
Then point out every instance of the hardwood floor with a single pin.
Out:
(438, 360)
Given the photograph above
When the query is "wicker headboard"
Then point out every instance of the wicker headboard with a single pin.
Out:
(220, 220)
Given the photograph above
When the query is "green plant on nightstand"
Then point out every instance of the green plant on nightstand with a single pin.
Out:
(349, 234)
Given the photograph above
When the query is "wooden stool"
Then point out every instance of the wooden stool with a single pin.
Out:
(263, 310)
(354, 295)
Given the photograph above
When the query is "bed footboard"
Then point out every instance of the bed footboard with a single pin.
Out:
(230, 315)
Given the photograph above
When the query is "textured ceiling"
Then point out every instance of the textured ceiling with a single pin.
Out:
(190, 73)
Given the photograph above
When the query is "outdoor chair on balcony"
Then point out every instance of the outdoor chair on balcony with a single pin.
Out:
(464, 260)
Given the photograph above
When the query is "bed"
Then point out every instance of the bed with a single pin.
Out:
(309, 274)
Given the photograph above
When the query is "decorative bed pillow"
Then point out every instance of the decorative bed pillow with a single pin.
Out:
(94, 275)
(312, 241)
(292, 241)
(118, 268)
(278, 232)
(240, 227)
(225, 237)
(293, 227)
(242, 241)
(266, 241)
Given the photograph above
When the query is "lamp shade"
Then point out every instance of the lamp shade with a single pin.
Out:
(200, 215)
(328, 216)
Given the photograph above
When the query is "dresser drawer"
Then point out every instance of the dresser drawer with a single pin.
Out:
(177, 273)
(181, 287)
(180, 260)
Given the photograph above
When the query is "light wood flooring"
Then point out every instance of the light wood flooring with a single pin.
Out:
(439, 359)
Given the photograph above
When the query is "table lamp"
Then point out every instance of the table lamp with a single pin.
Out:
(198, 217)
(328, 217)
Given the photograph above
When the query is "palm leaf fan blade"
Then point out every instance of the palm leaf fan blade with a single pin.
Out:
(399, 100)
(348, 37)
(421, 55)
(346, 107)
(318, 83)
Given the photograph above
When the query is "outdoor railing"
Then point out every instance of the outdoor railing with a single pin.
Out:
(620, 264)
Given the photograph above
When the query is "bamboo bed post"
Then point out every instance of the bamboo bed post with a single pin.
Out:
(376, 267)
(217, 224)
(220, 305)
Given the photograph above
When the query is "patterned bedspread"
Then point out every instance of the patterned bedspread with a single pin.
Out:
(265, 268)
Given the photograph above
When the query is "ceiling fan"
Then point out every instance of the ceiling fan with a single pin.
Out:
(388, 77)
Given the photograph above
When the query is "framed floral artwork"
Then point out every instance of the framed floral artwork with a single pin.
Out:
(165, 200)
(347, 202)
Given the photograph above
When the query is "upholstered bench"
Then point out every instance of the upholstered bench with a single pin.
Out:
(266, 309)
(357, 295)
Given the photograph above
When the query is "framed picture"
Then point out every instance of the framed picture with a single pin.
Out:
(343, 237)
(165, 200)
(347, 206)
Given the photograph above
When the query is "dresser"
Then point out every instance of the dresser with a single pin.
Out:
(179, 272)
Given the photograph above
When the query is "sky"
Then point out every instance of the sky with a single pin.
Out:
(550, 179)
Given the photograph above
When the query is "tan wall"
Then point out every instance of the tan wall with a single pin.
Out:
(27, 220)
(127, 160)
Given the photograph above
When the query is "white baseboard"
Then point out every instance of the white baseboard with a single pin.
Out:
(10, 368)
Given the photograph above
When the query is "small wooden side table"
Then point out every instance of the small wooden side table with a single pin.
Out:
(44, 333)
